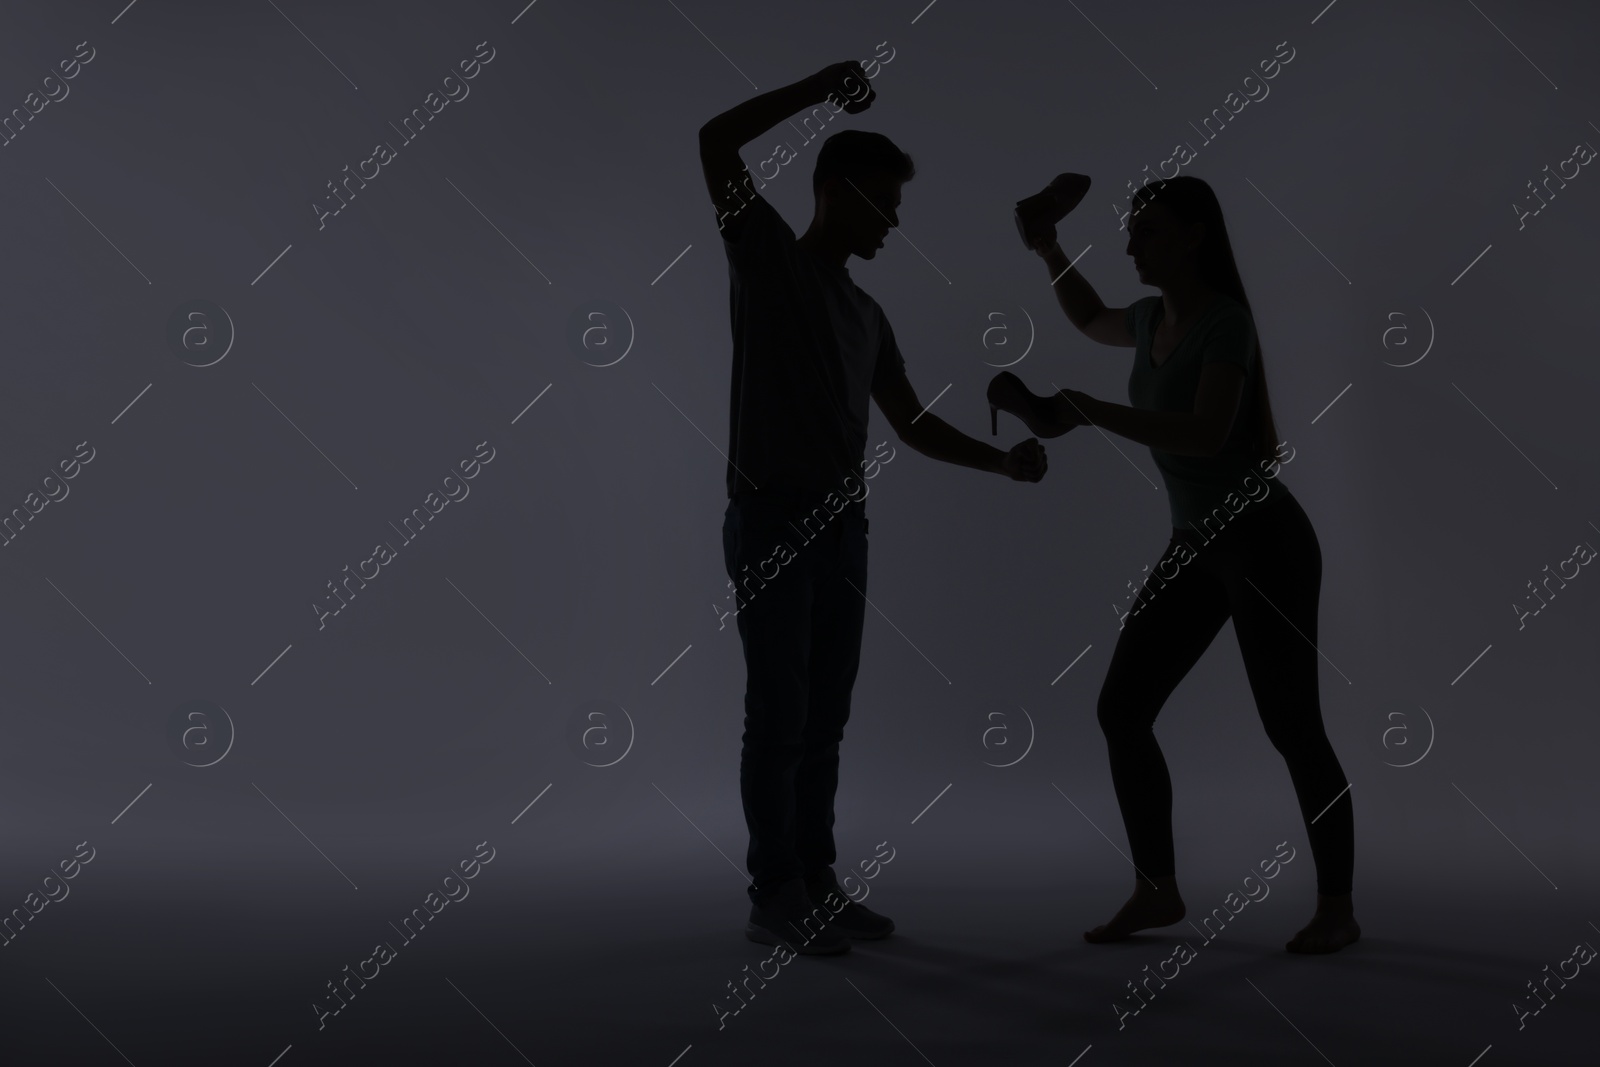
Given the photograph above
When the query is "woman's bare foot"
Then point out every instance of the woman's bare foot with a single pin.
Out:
(1149, 906)
(1330, 929)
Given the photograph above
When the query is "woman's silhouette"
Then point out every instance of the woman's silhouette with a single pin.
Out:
(1241, 545)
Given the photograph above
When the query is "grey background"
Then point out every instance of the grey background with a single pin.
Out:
(586, 562)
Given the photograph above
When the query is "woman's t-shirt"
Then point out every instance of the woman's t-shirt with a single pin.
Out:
(1200, 487)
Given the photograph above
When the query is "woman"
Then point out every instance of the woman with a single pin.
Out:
(1241, 546)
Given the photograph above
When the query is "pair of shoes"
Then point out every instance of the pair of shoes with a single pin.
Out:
(1007, 393)
(791, 918)
(853, 919)
(1038, 214)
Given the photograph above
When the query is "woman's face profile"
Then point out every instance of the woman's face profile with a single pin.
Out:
(1160, 245)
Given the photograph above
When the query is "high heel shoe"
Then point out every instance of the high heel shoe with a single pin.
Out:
(1007, 393)
(1044, 209)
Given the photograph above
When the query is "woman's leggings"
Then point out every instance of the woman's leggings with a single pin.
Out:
(1263, 568)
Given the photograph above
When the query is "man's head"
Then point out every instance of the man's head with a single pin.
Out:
(857, 186)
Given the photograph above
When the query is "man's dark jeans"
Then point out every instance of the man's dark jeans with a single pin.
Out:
(800, 624)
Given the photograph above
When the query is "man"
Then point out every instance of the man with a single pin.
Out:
(808, 348)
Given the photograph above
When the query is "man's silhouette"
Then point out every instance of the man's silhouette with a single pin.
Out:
(809, 347)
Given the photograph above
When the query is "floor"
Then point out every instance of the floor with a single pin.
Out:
(178, 951)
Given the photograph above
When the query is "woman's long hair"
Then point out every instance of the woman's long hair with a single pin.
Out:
(1191, 200)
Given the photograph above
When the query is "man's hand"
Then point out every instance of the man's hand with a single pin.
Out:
(848, 83)
(1026, 462)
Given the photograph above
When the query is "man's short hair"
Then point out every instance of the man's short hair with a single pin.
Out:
(855, 153)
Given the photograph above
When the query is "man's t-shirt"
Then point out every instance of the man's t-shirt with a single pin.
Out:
(1197, 485)
(808, 349)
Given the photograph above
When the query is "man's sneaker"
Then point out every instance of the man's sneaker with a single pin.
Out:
(853, 919)
(791, 919)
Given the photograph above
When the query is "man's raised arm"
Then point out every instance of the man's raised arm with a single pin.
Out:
(727, 178)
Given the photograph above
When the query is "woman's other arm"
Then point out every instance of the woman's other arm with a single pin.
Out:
(1083, 305)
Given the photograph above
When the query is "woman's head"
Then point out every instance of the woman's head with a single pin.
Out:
(1177, 238)
(1176, 234)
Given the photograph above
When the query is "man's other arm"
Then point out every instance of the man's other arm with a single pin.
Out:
(933, 437)
(727, 178)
